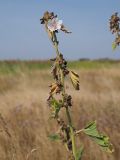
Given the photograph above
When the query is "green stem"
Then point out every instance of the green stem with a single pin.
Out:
(67, 109)
(55, 44)
(56, 48)
(72, 134)
(79, 131)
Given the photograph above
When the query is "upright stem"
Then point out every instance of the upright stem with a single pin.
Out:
(67, 109)
(72, 134)
(52, 36)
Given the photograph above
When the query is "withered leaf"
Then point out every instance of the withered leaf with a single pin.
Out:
(55, 88)
(75, 79)
(63, 28)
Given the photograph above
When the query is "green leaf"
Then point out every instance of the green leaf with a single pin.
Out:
(80, 153)
(114, 46)
(55, 107)
(54, 137)
(100, 139)
(91, 130)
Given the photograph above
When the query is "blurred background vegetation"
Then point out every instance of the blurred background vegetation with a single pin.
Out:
(24, 118)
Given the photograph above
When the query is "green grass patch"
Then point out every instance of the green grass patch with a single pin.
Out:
(94, 64)
(13, 67)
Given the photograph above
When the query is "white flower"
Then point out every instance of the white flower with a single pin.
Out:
(54, 24)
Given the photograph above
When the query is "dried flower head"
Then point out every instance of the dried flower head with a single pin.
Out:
(115, 29)
(47, 16)
(114, 23)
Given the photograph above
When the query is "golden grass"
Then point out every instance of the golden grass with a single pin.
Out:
(25, 123)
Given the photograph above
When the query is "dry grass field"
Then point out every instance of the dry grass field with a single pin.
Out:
(24, 114)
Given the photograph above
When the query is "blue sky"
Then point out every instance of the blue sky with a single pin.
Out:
(22, 36)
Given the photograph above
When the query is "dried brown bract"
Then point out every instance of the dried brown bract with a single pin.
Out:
(115, 29)
(114, 23)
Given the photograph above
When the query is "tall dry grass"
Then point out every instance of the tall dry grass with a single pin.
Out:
(25, 123)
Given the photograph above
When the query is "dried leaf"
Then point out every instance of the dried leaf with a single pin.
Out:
(55, 88)
(64, 29)
(75, 79)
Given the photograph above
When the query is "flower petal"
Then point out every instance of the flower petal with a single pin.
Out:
(54, 24)
(60, 22)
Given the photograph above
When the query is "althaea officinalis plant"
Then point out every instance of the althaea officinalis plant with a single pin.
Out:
(67, 132)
